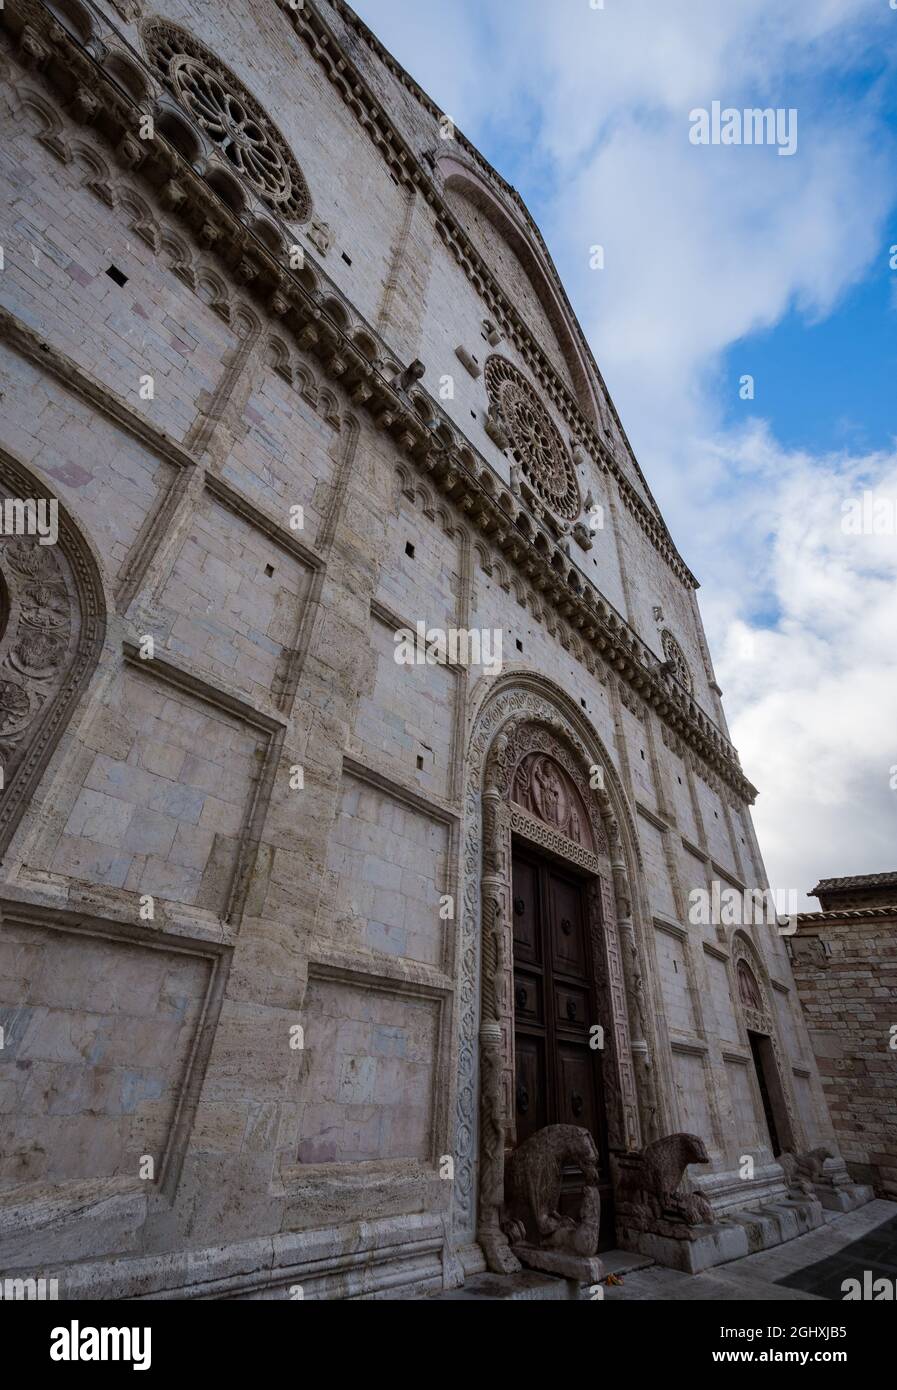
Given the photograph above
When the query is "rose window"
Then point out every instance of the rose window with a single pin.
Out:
(673, 653)
(533, 438)
(231, 118)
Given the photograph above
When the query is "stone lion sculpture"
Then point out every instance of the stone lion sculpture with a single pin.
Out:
(533, 1177)
(803, 1170)
(649, 1181)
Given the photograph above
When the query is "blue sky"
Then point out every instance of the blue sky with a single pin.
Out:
(720, 262)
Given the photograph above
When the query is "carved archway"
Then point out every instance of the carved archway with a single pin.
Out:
(752, 995)
(534, 772)
(52, 625)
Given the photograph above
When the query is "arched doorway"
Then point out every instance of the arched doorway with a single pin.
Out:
(769, 1074)
(52, 626)
(546, 819)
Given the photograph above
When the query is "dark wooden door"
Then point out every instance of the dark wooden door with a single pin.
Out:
(558, 1074)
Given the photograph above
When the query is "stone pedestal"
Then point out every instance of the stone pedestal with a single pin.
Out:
(843, 1197)
(745, 1232)
(582, 1269)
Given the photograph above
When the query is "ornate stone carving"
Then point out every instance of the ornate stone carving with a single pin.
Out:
(675, 656)
(533, 437)
(52, 621)
(230, 116)
(533, 1178)
(648, 1198)
(128, 9)
(802, 1171)
(542, 787)
(515, 723)
(748, 990)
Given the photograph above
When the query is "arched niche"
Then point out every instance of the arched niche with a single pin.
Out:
(537, 773)
(506, 244)
(758, 1024)
(52, 625)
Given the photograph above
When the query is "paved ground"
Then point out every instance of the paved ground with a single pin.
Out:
(809, 1268)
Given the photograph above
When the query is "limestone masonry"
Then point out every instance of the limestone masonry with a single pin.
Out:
(300, 940)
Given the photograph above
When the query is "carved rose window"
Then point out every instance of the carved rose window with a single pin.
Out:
(533, 438)
(673, 653)
(231, 118)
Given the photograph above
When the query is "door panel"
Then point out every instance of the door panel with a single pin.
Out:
(571, 1008)
(526, 912)
(531, 1097)
(567, 935)
(528, 998)
(558, 1076)
(577, 1101)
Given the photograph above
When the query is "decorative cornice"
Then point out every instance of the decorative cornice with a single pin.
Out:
(302, 304)
(511, 195)
(847, 914)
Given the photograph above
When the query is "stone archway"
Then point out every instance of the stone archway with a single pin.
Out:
(757, 1019)
(535, 771)
(52, 626)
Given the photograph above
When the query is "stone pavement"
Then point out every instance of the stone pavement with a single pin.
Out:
(810, 1267)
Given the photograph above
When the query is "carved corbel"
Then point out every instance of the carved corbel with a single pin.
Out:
(172, 195)
(33, 52)
(130, 151)
(85, 104)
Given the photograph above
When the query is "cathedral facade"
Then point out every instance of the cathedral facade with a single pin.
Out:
(363, 760)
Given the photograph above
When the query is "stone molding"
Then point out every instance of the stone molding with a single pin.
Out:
(217, 955)
(272, 730)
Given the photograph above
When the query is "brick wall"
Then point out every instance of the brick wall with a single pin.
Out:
(846, 973)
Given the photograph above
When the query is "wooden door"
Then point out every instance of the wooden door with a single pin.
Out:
(558, 1075)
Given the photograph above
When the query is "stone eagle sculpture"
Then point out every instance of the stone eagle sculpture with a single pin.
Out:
(647, 1189)
(533, 1179)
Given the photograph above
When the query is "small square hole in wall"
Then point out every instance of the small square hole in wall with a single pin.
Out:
(473, 415)
(642, 751)
(519, 645)
(409, 550)
(420, 763)
(117, 275)
(347, 259)
(679, 780)
(582, 702)
(269, 570)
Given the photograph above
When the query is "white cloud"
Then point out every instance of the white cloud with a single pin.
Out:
(702, 247)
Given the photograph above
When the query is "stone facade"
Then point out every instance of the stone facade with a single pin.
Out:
(845, 968)
(298, 368)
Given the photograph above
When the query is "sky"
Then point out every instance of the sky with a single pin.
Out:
(724, 262)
